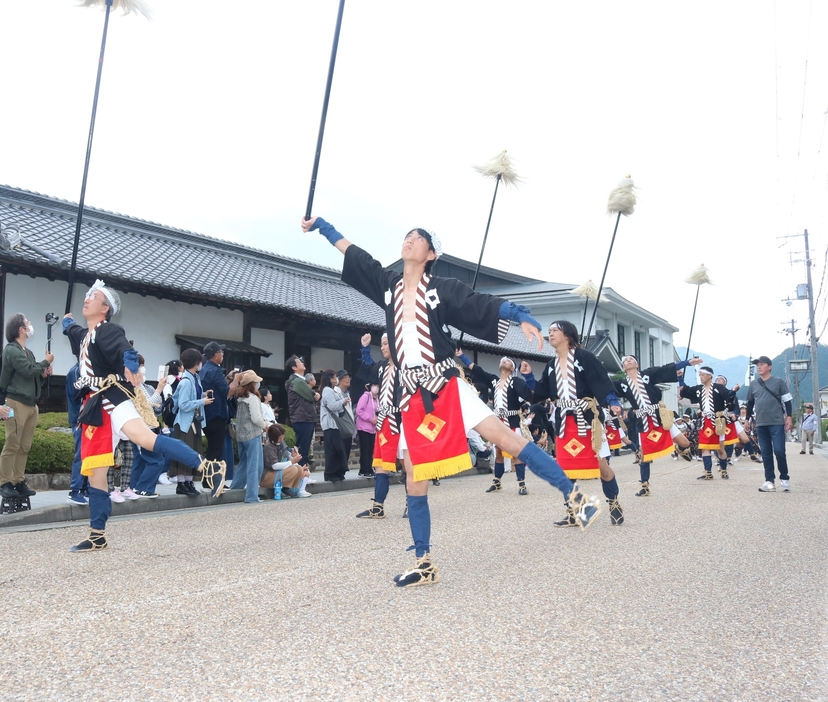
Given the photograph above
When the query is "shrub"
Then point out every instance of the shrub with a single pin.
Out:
(53, 419)
(52, 452)
(290, 436)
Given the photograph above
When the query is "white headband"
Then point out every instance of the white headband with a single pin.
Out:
(506, 358)
(436, 244)
(110, 298)
(555, 325)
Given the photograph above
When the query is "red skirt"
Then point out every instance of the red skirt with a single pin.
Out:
(436, 441)
(655, 443)
(613, 436)
(732, 433)
(385, 448)
(96, 445)
(575, 454)
(708, 438)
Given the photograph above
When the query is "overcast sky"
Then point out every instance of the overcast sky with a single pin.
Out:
(209, 113)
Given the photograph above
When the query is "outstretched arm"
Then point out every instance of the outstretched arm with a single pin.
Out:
(326, 230)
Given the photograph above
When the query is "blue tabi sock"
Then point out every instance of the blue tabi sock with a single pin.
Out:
(708, 463)
(500, 469)
(644, 469)
(610, 488)
(419, 519)
(520, 471)
(544, 466)
(380, 487)
(100, 507)
(176, 450)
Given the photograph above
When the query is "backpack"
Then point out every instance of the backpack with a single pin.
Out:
(168, 410)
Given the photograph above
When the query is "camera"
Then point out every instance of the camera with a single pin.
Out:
(51, 318)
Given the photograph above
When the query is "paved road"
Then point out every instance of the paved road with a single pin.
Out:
(710, 591)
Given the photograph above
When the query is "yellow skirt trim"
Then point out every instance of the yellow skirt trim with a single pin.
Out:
(589, 474)
(390, 467)
(90, 463)
(658, 454)
(442, 469)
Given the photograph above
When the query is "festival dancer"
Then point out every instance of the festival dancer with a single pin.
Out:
(712, 401)
(578, 385)
(732, 414)
(509, 392)
(642, 392)
(115, 408)
(437, 408)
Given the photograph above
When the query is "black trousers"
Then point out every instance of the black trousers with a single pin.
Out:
(215, 430)
(366, 452)
(336, 460)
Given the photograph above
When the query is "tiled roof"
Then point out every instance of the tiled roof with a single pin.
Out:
(198, 268)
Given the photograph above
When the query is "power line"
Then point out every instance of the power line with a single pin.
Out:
(801, 115)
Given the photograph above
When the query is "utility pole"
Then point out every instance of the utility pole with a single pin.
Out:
(814, 344)
(792, 331)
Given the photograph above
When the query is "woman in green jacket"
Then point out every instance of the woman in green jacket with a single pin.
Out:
(21, 377)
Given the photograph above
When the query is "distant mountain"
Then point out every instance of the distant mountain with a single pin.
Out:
(734, 369)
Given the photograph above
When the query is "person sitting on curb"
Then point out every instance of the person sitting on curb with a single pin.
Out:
(278, 457)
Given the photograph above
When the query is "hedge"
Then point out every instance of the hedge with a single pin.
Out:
(52, 452)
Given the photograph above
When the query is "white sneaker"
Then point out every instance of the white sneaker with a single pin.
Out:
(130, 494)
(768, 486)
(311, 480)
(164, 480)
(786, 485)
(116, 496)
(304, 493)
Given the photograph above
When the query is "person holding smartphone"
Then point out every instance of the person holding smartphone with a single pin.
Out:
(21, 379)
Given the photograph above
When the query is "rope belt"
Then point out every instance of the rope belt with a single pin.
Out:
(577, 408)
(429, 377)
(503, 414)
(391, 412)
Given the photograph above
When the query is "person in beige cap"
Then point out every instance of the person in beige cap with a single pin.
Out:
(249, 426)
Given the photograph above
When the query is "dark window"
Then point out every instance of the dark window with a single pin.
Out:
(622, 343)
(652, 352)
(637, 342)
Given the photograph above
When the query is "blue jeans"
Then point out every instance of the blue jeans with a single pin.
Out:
(146, 467)
(250, 468)
(228, 457)
(78, 483)
(304, 436)
(772, 443)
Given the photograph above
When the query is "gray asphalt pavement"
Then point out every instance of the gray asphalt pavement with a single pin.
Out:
(709, 591)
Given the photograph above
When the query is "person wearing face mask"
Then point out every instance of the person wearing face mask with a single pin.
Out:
(21, 381)
(366, 418)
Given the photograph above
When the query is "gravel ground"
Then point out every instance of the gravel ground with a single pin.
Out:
(710, 591)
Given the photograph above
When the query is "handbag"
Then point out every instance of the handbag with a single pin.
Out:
(345, 423)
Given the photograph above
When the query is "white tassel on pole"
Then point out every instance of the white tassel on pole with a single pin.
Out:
(588, 289)
(500, 165)
(125, 6)
(700, 276)
(622, 198)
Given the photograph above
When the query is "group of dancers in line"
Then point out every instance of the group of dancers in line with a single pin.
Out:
(427, 411)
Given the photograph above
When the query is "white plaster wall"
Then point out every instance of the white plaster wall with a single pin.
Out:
(273, 341)
(149, 322)
(322, 359)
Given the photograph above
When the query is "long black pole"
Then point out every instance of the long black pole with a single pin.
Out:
(74, 263)
(483, 247)
(324, 110)
(583, 321)
(603, 276)
(692, 322)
